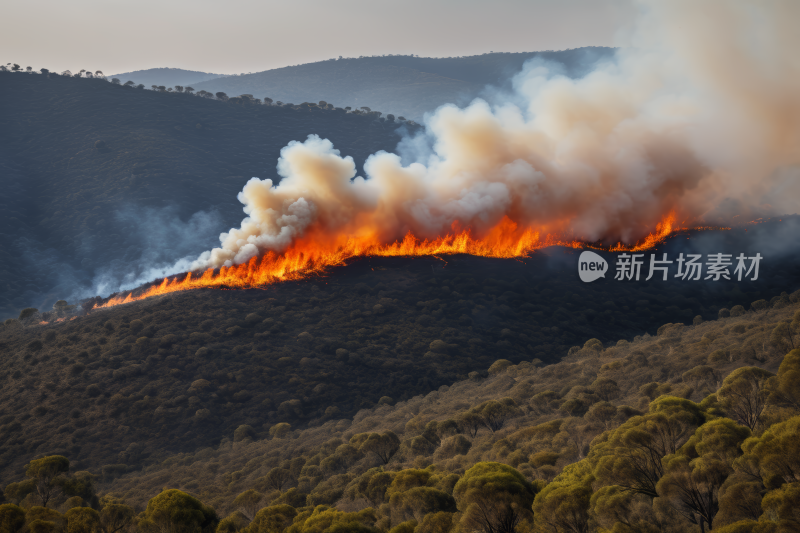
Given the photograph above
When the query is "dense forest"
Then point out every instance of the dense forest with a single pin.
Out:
(694, 428)
(98, 177)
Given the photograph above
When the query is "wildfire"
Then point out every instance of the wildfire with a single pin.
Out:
(317, 252)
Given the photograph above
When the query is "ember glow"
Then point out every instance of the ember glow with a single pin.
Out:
(318, 253)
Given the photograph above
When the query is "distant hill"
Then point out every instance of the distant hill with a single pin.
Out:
(72, 208)
(402, 85)
(169, 77)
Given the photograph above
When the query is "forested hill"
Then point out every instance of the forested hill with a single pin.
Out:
(166, 76)
(94, 175)
(403, 85)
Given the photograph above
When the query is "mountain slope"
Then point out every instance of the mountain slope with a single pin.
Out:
(402, 85)
(168, 77)
(75, 212)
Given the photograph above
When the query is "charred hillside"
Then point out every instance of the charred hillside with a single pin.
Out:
(76, 153)
(179, 372)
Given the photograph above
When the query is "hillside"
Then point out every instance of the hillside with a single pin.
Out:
(402, 85)
(562, 434)
(166, 76)
(102, 181)
(307, 352)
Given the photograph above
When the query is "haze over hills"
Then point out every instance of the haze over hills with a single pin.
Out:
(98, 177)
(166, 76)
(405, 86)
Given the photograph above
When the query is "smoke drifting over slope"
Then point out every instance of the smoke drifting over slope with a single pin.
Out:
(698, 115)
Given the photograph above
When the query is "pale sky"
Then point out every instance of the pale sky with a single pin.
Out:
(253, 35)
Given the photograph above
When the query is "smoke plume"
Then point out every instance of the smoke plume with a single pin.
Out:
(698, 113)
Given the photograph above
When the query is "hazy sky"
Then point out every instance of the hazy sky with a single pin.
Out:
(236, 36)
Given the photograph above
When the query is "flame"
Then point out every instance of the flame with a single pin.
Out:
(318, 251)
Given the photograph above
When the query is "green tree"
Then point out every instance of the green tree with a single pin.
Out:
(743, 394)
(384, 445)
(115, 516)
(82, 520)
(18, 491)
(695, 473)
(419, 501)
(631, 455)
(494, 414)
(783, 506)
(279, 430)
(174, 511)
(273, 519)
(248, 502)
(606, 388)
(787, 382)
(278, 478)
(48, 473)
(564, 504)
(494, 498)
(12, 518)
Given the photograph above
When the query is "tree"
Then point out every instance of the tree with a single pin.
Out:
(602, 413)
(16, 67)
(469, 422)
(128, 83)
(189, 90)
(694, 474)
(174, 511)
(494, 498)
(279, 430)
(787, 382)
(161, 89)
(18, 491)
(631, 456)
(420, 501)
(82, 520)
(781, 337)
(495, 413)
(278, 478)
(98, 73)
(273, 519)
(12, 518)
(784, 504)
(383, 445)
(267, 101)
(248, 502)
(702, 375)
(743, 394)
(221, 96)
(47, 472)
(115, 516)
(44, 71)
(115, 81)
(606, 388)
(179, 88)
(154, 87)
(564, 504)
(775, 454)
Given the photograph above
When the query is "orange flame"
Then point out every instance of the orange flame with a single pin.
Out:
(316, 253)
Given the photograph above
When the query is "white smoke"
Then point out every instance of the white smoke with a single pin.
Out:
(700, 109)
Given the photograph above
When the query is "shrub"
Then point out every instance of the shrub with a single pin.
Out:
(724, 313)
(737, 310)
(759, 305)
(136, 326)
(243, 432)
(279, 430)
(27, 313)
(499, 366)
